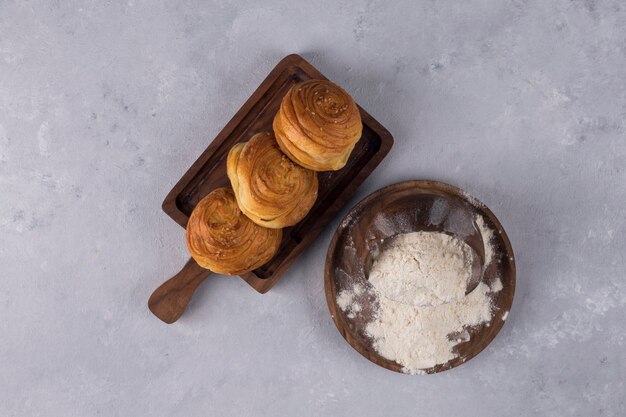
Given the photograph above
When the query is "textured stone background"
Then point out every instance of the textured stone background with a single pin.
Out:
(104, 104)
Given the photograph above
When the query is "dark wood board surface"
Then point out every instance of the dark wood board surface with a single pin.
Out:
(256, 115)
(403, 208)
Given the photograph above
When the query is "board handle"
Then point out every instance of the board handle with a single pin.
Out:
(169, 301)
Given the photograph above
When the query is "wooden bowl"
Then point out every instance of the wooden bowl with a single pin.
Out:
(403, 208)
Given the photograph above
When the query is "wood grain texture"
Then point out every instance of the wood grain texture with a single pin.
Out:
(170, 300)
(403, 208)
(256, 115)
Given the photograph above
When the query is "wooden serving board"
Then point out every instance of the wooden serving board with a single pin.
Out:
(256, 115)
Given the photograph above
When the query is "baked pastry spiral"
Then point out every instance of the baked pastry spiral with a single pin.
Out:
(271, 189)
(220, 238)
(317, 125)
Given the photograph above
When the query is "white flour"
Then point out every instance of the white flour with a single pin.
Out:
(419, 337)
(487, 235)
(423, 268)
(346, 300)
(414, 269)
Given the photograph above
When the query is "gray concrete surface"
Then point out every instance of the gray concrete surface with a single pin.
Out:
(104, 104)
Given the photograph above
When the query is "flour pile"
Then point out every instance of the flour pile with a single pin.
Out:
(419, 282)
(423, 268)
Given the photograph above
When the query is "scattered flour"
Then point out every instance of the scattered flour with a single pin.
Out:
(439, 211)
(472, 200)
(346, 300)
(496, 286)
(487, 235)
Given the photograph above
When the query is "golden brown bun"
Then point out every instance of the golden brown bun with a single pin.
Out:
(220, 238)
(317, 125)
(270, 189)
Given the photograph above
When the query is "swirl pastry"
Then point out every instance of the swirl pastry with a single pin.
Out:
(220, 238)
(317, 125)
(270, 189)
